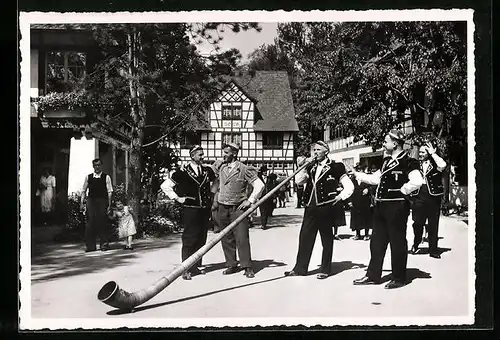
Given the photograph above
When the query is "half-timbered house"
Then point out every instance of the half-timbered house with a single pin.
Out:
(256, 111)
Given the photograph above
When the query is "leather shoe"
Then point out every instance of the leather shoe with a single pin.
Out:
(249, 273)
(90, 250)
(394, 284)
(322, 276)
(413, 250)
(197, 271)
(293, 273)
(231, 270)
(186, 276)
(365, 280)
(435, 255)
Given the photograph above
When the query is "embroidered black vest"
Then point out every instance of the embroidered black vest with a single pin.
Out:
(433, 180)
(327, 187)
(394, 175)
(196, 188)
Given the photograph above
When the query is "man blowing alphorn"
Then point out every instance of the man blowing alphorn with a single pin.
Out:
(322, 200)
(190, 186)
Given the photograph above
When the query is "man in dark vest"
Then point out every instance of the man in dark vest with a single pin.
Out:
(190, 186)
(234, 178)
(427, 200)
(322, 201)
(100, 191)
(398, 177)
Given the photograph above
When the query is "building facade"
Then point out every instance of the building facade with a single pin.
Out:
(256, 111)
(67, 140)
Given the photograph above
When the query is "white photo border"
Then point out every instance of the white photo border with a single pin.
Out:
(28, 18)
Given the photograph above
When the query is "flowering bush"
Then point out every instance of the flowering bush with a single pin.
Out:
(64, 100)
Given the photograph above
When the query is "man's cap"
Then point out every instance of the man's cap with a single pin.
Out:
(397, 135)
(232, 145)
(195, 148)
(322, 144)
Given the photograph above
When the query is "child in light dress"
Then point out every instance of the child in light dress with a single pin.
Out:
(126, 224)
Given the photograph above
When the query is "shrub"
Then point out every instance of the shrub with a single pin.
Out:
(74, 230)
(162, 220)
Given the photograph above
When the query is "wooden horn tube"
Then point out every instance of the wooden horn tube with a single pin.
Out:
(112, 295)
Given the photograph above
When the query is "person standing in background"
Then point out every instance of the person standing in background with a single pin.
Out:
(360, 206)
(47, 193)
(427, 199)
(98, 206)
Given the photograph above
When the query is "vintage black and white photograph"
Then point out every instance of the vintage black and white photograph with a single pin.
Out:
(215, 169)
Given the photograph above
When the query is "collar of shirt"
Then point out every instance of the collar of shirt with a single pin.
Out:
(396, 154)
(323, 162)
(97, 175)
(196, 168)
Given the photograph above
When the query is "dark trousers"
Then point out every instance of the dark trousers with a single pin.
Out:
(194, 235)
(426, 208)
(300, 195)
(97, 222)
(266, 210)
(389, 226)
(315, 219)
(237, 239)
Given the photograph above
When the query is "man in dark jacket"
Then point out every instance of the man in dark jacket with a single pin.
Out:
(190, 186)
(398, 177)
(427, 200)
(322, 200)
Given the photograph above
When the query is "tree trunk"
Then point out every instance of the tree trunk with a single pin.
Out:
(137, 113)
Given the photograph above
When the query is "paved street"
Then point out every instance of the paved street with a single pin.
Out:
(65, 280)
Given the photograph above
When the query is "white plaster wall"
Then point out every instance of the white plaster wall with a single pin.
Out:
(34, 73)
(81, 154)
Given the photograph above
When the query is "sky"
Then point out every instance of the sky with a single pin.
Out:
(245, 42)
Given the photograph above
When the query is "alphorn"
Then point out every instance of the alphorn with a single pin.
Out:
(112, 295)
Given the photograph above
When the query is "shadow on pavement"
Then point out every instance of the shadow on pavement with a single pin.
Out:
(257, 265)
(280, 221)
(339, 267)
(425, 251)
(411, 274)
(50, 262)
(161, 304)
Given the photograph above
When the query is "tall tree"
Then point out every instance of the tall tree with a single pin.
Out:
(155, 79)
(365, 76)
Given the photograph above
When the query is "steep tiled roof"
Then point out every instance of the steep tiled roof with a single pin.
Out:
(271, 90)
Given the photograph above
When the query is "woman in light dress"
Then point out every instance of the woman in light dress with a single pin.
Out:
(47, 193)
(126, 224)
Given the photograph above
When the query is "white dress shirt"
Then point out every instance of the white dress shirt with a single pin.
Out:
(109, 185)
(348, 187)
(415, 179)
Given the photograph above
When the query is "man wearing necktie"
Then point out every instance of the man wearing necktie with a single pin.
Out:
(190, 186)
(234, 179)
(322, 201)
(427, 199)
(398, 177)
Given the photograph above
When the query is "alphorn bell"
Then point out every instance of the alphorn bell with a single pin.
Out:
(112, 295)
